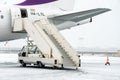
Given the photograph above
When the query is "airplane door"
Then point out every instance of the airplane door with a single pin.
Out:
(15, 13)
(24, 13)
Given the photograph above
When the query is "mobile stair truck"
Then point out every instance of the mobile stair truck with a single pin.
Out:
(50, 48)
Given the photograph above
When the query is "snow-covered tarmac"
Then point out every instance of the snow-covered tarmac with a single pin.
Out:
(92, 68)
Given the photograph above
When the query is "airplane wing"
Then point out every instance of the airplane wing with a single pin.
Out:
(70, 20)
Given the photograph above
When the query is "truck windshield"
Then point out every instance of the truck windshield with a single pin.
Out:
(34, 50)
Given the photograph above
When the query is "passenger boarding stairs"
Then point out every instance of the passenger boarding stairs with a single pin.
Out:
(49, 40)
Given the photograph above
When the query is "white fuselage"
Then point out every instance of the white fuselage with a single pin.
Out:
(8, 13)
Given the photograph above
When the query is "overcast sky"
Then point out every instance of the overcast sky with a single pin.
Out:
(103, 32)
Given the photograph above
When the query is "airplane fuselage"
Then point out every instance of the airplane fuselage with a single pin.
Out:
(8, 14)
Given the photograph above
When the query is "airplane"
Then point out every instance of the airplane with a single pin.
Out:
(57, 11)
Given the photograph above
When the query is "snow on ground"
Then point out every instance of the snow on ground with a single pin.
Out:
(6, 58)
(92, 68)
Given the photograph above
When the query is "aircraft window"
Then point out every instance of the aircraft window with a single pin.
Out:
(2, 16)
(24, 13)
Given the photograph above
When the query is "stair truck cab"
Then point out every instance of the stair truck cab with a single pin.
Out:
(30, 54)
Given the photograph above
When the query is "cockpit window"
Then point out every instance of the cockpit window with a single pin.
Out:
(1, 16)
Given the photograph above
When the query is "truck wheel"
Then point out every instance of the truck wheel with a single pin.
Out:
(40, 64)
(23, 64)
(62, 67)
